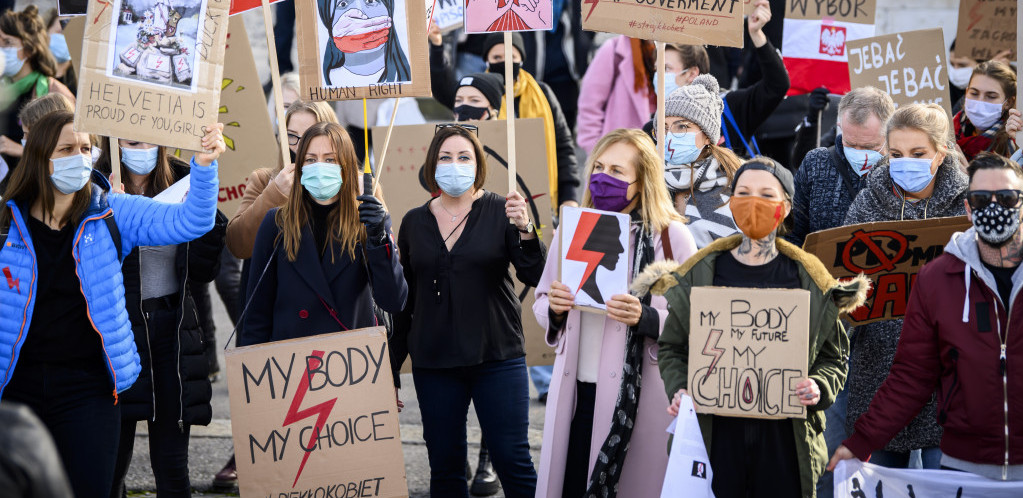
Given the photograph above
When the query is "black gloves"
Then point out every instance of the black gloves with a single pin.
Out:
(372, 214)
(818, 102)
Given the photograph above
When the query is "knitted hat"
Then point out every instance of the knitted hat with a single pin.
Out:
(699, 102)
(490, 85)
(498, 39)
(771, 166)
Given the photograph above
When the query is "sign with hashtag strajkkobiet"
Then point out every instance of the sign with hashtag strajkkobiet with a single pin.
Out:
(748, 350)
(316, 416)
(700, 22)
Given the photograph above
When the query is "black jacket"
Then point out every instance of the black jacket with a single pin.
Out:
(196, 264)
(752, 105)
(292, 298)
(444, 85)
(826, 186)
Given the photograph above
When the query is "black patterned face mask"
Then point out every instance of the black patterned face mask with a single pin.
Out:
(996, 224)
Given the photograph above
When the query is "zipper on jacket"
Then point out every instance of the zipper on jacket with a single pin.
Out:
(88, 310)
(149, 345)
(181, 319)
(1005, 381)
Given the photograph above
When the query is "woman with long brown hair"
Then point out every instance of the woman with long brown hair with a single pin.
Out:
(989, 120)
(322, 259)
(63, 318)
(173, 391)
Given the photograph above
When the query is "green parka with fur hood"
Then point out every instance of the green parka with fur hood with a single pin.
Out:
(829, 344)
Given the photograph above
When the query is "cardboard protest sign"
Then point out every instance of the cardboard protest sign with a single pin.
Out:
(986, 27)
(248, 133)
(316, 416)
(815, 37)
(447, 14)
(890, 253)
(911, 66)
(239, 6)
(489, 16)
(71, 7)
(856, 479)
(403, 190)
(594, 262)
(151, 69)
(74, 32)
(717, 22)
(352, 51)
(748, 349)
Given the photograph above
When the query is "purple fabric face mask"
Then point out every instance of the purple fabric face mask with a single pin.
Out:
(608, 193)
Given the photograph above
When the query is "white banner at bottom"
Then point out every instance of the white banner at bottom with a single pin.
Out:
(856, 479)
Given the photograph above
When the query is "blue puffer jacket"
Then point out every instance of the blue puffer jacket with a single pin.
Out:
(141, 222)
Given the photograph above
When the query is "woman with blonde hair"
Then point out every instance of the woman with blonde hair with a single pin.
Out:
(920, 179)
(587, 448)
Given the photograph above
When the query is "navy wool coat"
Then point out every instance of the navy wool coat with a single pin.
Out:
(301, 298)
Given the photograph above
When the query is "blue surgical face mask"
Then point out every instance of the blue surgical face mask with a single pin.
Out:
(58, 46)
(455, 179)
(862, 161)
(670, 85)
(139, 161)
(680, 149)
(12, 64)
(71, 173)
(321, 180)
(910, 173)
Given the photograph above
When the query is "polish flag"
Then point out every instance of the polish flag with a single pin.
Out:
(815, 55)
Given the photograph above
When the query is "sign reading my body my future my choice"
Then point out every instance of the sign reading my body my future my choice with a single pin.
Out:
(748, 349)
(316, 416)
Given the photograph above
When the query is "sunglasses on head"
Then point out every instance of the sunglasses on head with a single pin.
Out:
(466, 127)
(1007, 198)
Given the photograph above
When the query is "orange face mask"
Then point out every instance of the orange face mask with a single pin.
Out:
(755, 216)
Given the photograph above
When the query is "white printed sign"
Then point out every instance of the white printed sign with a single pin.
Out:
(594, 260)
(856, 479)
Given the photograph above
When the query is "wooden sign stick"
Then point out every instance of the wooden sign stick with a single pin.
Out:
(1019, 59)
(509, 93)
(659, 123)
(387, 142)
(115, 164)
(275, 79)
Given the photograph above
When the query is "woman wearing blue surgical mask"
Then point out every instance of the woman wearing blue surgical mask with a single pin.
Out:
(696, 169)
(462, 323)
(173, 390)
(324, 257)
(989, 121)
(65, 321)
(29, 70)
(920, 179)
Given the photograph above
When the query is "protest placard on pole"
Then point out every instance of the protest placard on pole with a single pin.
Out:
(152, 73)
(912, 67)
(748, 349)
(815, 37)
(716, 22)
(889, 253)
(316, 416)
(1019, 64)
(276, 90)
(495, 16)
(402, 182)
(659, 122)
(448, 14)
(347, 54)
(593, 262)
(986, 28)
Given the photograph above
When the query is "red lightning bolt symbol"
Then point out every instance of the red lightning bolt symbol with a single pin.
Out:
(105, 5)
(11, 281)
(711, 349)
(975, 15)
(321, 410)
(671, 148)
(593, 5)
(576, 252)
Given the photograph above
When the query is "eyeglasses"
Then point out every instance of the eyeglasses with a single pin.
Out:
(466, 127)
(678, 127)
(293, 139)
(1008, 198)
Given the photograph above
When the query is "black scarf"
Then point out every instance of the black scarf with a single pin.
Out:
(608, 469)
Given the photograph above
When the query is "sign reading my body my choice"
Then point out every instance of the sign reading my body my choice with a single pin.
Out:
(748, 349)
(316, 416)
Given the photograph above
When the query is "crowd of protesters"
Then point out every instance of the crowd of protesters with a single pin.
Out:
(106, 316)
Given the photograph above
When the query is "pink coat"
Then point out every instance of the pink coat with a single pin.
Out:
(607, 97)
(647, 458)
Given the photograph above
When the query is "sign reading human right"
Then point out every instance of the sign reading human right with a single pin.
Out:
(748, 351)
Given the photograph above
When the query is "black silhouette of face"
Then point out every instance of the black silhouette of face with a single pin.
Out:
(605, 239)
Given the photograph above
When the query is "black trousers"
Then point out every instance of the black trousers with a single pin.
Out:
(577, 466)
(754, 458)
(76, 404)
(168, 442)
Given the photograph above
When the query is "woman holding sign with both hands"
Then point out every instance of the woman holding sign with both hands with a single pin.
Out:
(786, 455)
(587, 448)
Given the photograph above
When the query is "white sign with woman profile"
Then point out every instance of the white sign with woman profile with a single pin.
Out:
(594, 261)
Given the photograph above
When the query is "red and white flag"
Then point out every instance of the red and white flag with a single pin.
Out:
(813, 45)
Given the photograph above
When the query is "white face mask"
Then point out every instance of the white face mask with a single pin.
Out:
(982, 114)
(959, 76)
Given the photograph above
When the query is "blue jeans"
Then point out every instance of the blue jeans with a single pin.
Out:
(500, 392)
(926, 458)
(834, 434)
(541, 378)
